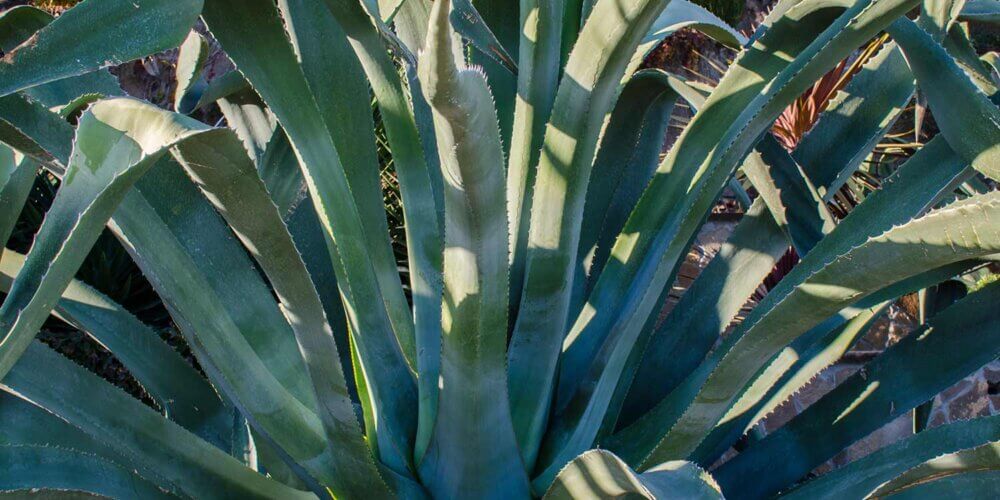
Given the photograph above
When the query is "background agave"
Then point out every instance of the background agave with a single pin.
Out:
(543, 233)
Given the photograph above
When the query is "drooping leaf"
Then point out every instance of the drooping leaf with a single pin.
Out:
(94, 35)
(183, 394)
(183, 462)
(110, 136)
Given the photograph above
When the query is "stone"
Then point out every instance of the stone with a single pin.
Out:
(972, 403)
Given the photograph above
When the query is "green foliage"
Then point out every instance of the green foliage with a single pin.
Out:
(729, 11)
(543, 233)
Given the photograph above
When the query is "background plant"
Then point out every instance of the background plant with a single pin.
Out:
(543, 232)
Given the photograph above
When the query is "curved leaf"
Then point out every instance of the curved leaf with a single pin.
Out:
(681, 342)
(697, 168)
(422, 208)
(126, 137)
(362, 259)
(681, 14)
(94, 35)
(185, 396)
(600, 474)
(821, 285)
(107, 414)
(628, 156)
(191, 84)
(956, 342)
(43, 467)
(28, 126)
(20, 23)
(968, 120)
(859, 478)
(980, 458)
(855, 120)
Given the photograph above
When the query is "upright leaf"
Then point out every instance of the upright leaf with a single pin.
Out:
(473, 451)
(586, 94)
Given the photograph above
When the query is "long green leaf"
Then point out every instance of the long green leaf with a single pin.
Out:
(628, 156)
(28, 126)
(698, 166)
(26, 424)
(706, 309)
(420, 210)
(859, 478)
(953, 344)
(791, 370)
(973, 484)
(43, 467)
(790, 195)
(702, 161)
(126, 137)
(107, 414)
(968, 120)
(183, 394)
(253, 34)
(20, 23)
(94, 35)
(167, 225)
(537, 82)
(855, 120)
(473, 450)
(980, 458)
(586, 94)
(822, 284)
(600, 474)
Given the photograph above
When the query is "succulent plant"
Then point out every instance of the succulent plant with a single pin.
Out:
(543, 232)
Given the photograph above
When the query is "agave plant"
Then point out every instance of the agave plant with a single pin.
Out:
(543, 232)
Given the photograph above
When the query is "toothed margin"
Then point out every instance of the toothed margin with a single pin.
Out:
(775, 86)
(980, 203)
(111, 387)
(107, 463)
(841, 95)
